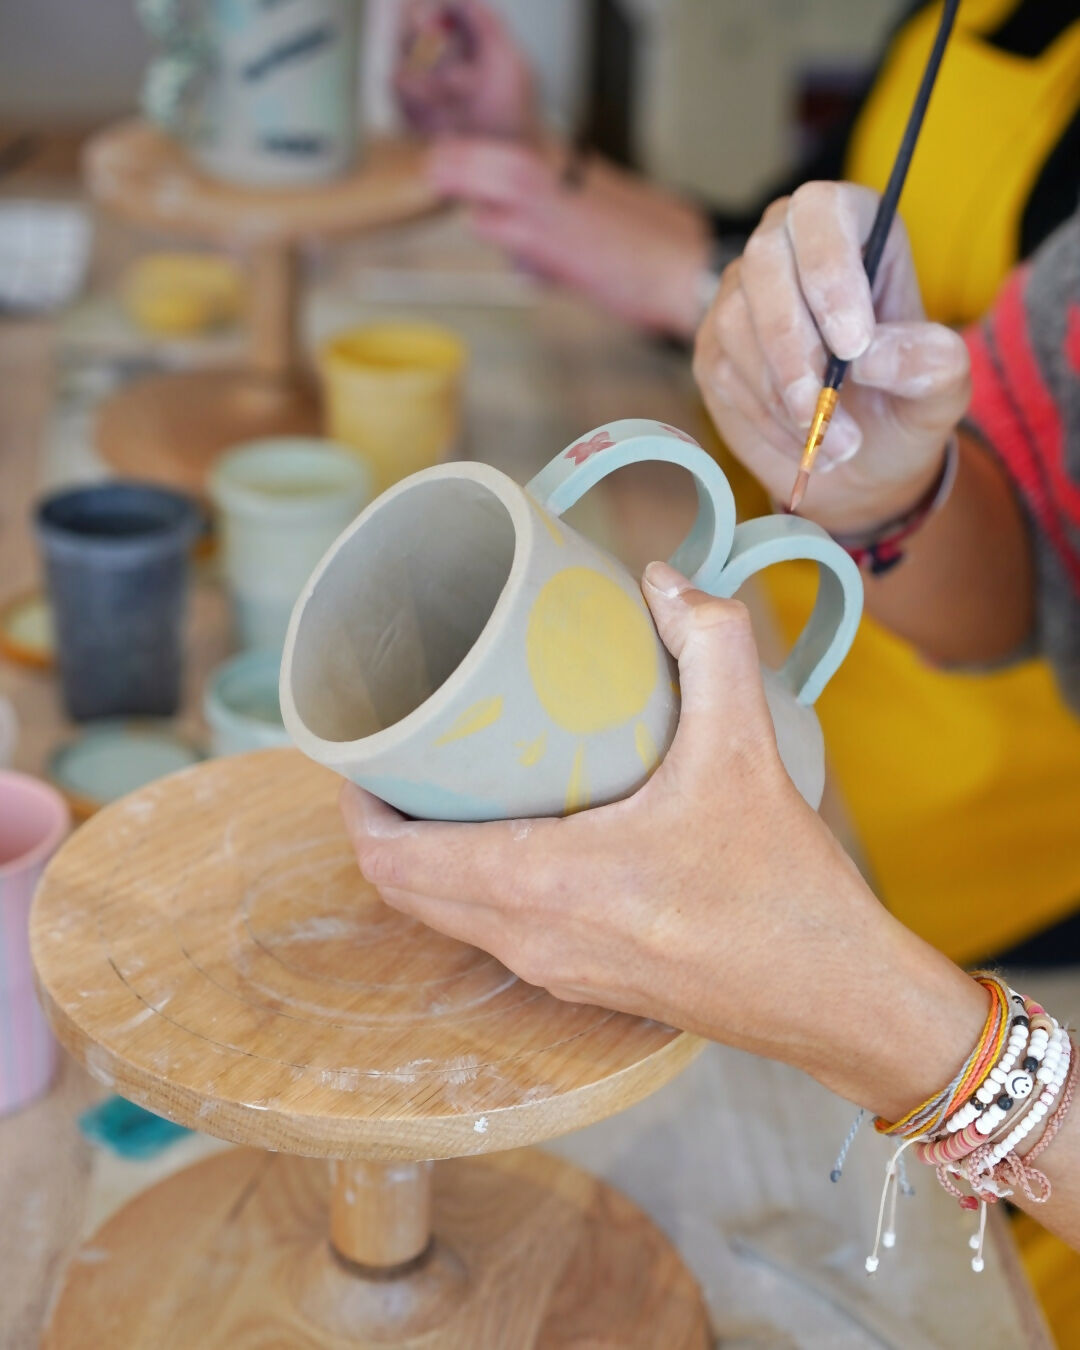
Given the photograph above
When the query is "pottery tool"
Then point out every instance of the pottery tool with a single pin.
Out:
(875, 246)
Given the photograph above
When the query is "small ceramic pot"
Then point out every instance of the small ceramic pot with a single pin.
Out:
(116, 559)
(263, 95)
(242, 707)
(280, 505)
(465, 655)
(393, 392)
(33, 822)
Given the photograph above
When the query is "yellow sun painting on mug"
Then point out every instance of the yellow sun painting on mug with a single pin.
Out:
(591, 654)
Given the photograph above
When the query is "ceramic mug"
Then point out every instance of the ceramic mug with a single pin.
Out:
(241, 705)
(33, 822)
(116, 558)
(280, 503)
(264, 95)
(393, 392)
(465, 655)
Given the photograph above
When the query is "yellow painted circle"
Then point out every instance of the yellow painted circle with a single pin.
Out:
(591, 651)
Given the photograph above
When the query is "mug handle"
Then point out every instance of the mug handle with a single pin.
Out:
(579, 467)
(827, 637)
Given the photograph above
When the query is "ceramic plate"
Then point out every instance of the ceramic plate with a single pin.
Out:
(113, 759)
(26, 633)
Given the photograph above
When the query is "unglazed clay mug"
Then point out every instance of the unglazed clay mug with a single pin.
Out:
(262, 94)
(280, 504)
(33, 823)
(465, 655)
(393, 392)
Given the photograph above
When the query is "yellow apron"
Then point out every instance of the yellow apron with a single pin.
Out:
(964, 788)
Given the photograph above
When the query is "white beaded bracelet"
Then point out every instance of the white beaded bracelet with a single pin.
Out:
(1038, 1111)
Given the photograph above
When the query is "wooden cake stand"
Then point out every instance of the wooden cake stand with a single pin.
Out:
(208, 948)
(170, 428)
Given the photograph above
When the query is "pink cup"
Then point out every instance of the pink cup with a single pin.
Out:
(33, 822)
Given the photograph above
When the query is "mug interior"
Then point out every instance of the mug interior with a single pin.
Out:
(401, 604)
(33, 819)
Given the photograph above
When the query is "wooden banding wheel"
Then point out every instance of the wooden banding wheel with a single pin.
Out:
(171, 428)
(208, 947)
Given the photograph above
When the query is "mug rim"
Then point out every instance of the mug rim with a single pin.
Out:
(218, 707)
(336, 754)
(183, 526)
(47, 846)
(231, 494)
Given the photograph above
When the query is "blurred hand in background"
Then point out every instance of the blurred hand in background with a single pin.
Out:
(460, 70)
(634, 249)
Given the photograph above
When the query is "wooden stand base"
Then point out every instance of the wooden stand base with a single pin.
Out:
(170, 429)
(528, 1252)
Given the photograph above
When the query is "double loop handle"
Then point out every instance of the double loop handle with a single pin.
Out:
(717, 555)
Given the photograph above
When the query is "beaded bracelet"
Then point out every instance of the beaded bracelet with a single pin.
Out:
(1003, 1098)
(988, 1128)
(1020, 1077)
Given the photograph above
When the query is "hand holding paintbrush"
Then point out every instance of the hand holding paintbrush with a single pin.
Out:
(875, 247)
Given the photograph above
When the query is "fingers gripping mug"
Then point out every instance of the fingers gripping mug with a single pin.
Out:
(464, 654)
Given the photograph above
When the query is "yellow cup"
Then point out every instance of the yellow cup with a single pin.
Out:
(393, 392)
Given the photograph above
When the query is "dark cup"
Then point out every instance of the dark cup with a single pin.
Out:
(116, 559)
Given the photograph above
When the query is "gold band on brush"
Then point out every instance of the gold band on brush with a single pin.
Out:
(826, 406)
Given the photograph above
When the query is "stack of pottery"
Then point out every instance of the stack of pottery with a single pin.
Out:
(280, 504)
(262, 95)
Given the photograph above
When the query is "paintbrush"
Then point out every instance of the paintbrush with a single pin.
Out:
(875, 246)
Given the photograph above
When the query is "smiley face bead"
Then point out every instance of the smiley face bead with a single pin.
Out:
(1019, 1084)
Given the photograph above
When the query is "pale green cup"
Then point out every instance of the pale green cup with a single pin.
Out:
(280, 504)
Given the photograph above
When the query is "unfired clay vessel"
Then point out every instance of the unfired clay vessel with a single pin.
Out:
(465, 655)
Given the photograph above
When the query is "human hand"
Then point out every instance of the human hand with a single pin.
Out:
(714, 899)
(630, 247)
(476, 79)
(798, 293)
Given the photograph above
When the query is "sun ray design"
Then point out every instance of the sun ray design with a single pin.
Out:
(577, 790)
(646, 747)
(531, 752)
(477, 718)
(551, 527)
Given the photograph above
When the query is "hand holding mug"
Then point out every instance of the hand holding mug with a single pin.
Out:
(799, 292)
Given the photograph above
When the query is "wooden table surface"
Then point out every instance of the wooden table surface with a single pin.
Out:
(732, 1159)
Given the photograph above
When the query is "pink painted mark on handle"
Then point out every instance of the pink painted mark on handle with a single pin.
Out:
(679, 435)
(586, 449)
